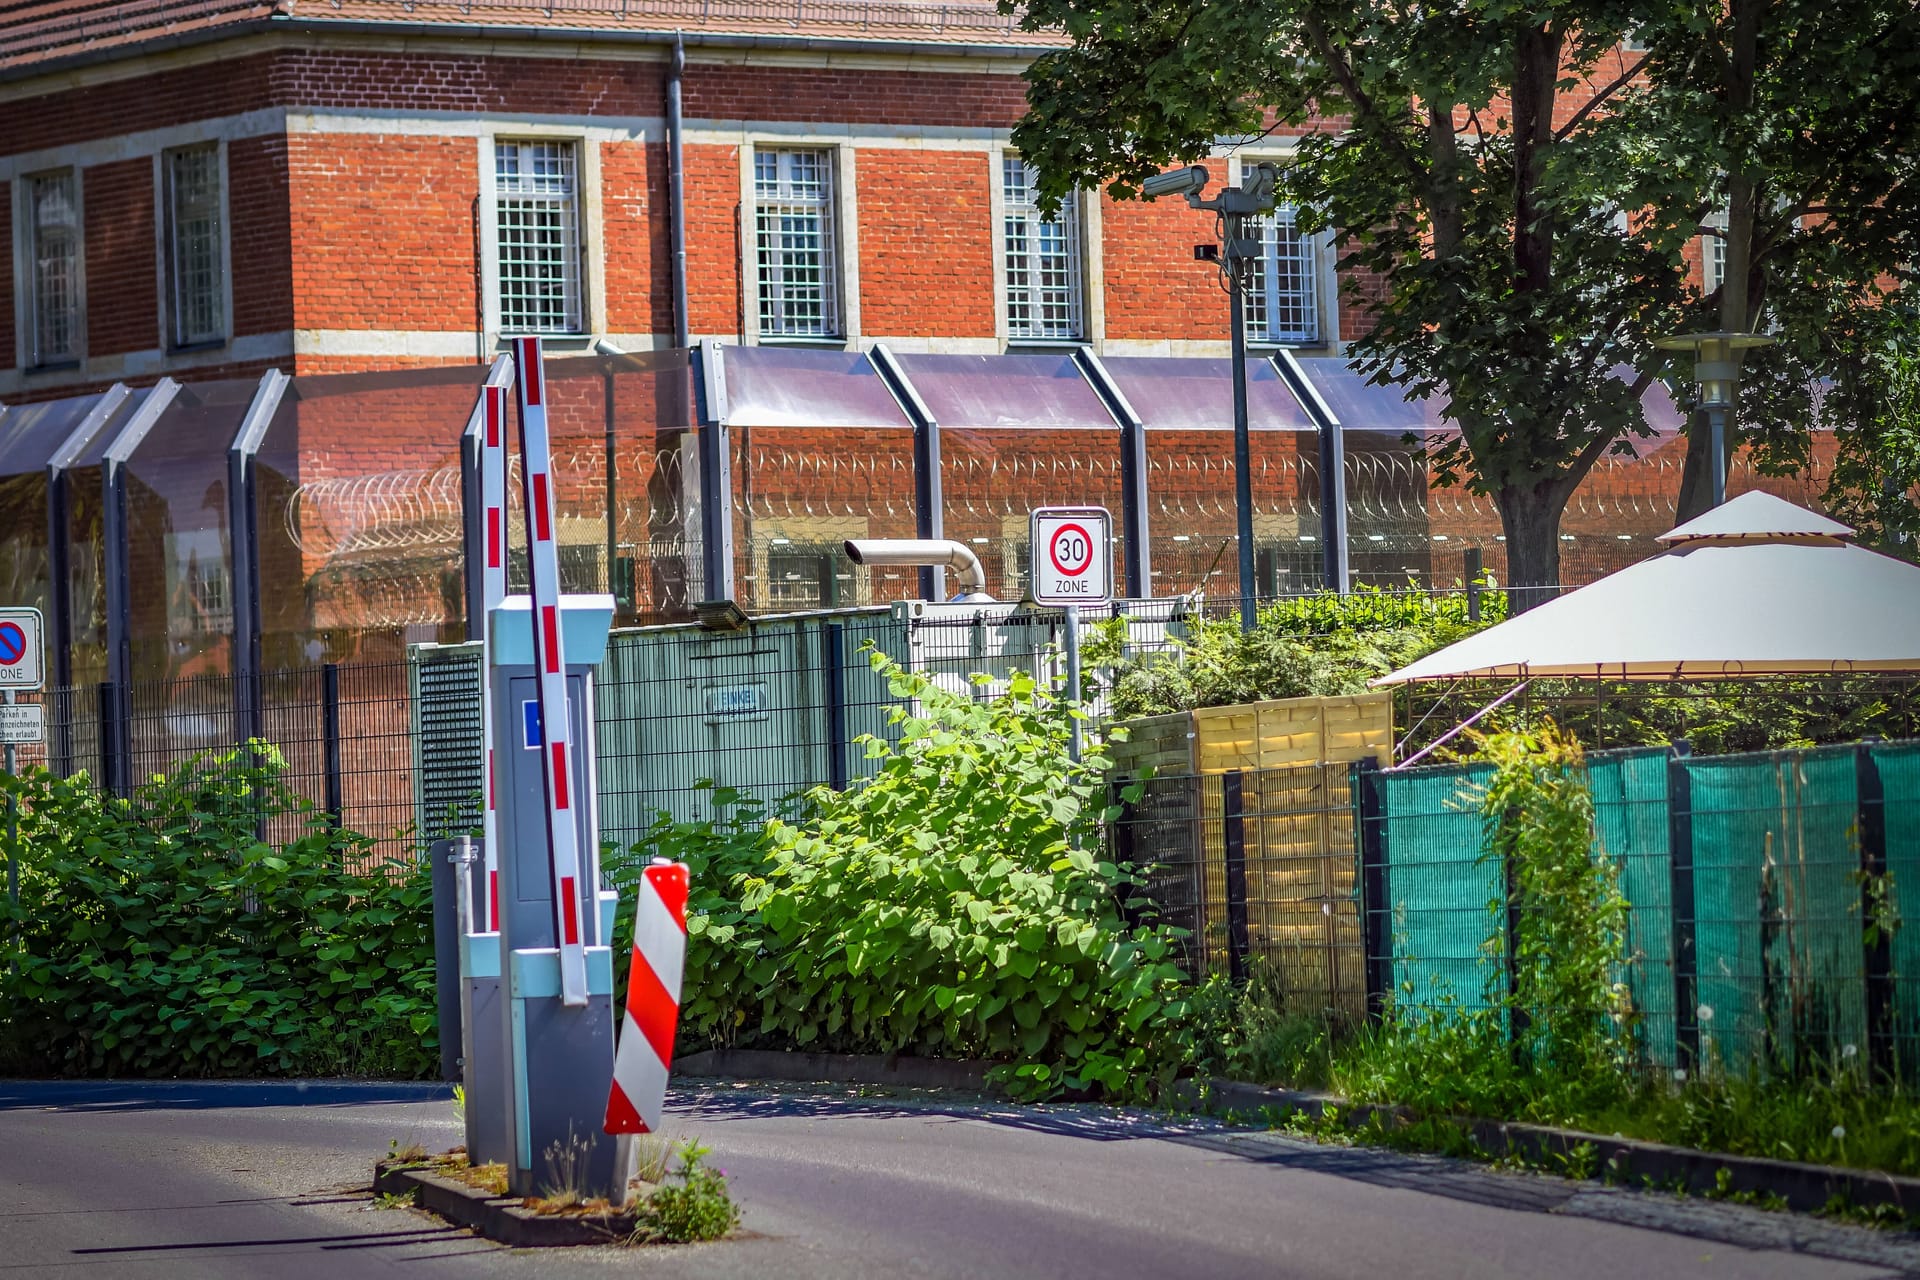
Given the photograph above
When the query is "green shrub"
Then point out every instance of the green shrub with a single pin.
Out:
(1314, 645)
(695, 1207)
(160, 936)
(954, 905)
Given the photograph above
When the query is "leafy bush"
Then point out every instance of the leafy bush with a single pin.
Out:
(953, 905)
(1310, 646)
(694, 1208)
(161, 936)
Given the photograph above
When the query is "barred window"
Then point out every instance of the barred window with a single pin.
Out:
(195, 270)
(1283, 306)
(53, 258)
(1043, 259)
(1713, 251)
(793, 244)
(537, 219)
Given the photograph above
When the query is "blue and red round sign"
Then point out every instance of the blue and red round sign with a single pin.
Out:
(13, 643)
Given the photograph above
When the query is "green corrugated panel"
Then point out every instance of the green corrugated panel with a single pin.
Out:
(449, 753)
(1899, 766)
(1438, 886)
(1778, 930)
(1630, 823)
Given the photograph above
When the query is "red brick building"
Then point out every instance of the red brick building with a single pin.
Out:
(210, 189)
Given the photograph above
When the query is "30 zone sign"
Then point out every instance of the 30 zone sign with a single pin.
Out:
(1072, 555)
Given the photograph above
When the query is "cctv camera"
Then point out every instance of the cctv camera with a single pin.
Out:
(1175, 182)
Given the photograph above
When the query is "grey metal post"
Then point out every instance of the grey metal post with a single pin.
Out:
(1717, 434)
(13, 868)
(716, 476)
(59, 571)
(1242, 445)
(119, 594)
(1073, 679)
(244, 540)
(676, 195)
(1134, 518)
(1475, 570)
(929, 503)
(1333, 471)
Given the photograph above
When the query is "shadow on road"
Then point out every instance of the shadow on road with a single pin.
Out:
(208, 1095)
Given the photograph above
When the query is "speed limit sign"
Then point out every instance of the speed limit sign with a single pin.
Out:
(1072, 555)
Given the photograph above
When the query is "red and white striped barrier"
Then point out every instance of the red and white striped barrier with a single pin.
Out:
(543, 563)
(653, 1001)
(493, 501)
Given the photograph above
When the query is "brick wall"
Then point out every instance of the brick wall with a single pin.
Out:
(258, 195)
(122, 279)
(382, 231)
(851, 96)
(713, 253)
(8, 338)
(636, 215)
(926, 244)
(1155, 289)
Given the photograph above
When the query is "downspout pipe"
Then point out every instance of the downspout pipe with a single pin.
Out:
(677, 198)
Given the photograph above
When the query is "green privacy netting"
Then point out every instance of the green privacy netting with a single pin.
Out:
(1780, 954)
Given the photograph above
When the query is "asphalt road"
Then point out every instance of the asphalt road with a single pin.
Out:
(245, 1180)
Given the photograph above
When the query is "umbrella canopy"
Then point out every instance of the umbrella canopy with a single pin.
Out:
(1756, 587)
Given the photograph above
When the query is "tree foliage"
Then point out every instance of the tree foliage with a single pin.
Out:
(1526, 187)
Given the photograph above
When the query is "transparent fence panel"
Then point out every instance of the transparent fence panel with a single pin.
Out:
(1187, 405)
(28, 437)
(179, 550)
(358, 507)
(798, 494)
(621, 430)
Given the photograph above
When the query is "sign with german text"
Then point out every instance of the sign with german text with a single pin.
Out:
(1071, 549)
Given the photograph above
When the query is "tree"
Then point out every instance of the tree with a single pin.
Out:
(1525, 196)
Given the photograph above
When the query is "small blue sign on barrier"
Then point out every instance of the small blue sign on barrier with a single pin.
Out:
(531, 733)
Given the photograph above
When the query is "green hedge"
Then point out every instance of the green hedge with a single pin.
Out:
(158, 936)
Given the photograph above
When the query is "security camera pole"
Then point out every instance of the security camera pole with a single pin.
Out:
(1239, 255)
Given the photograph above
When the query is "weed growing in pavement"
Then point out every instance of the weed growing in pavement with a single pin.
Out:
(693, 1207)
(397, 1199)
(411, 1153)
(652, 1152)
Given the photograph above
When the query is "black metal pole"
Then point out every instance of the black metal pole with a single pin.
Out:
(1371, 837)
(836, 673)
(1476, 569)
(1686, 976)
(330, 739)
(1876, 939)
(1234, 829)
(1242, 445)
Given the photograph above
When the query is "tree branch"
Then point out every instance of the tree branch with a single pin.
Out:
(1592, 104)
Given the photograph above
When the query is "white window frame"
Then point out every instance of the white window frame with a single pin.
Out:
(790, 186)
(1286, 255)
(32, 301)
(217, 302)
(1713, 251)
(567, 198)
(1023, 251)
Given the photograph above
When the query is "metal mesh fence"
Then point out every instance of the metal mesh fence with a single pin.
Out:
(1765, 896)
(1257, 867)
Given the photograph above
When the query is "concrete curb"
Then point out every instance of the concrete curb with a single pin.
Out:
(837, 1068)
(498, 1218)
(1804, 1187)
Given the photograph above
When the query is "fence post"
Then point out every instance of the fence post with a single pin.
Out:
(1875, 942)
(1686, 974)
(836, 664)
(1370, 831)
(1234, 829)
(1476, 567)
(110, 746)
(1518, 1019)
(330, 738)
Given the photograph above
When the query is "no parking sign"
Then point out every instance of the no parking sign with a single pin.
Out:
(1071, 550)
(20, 649)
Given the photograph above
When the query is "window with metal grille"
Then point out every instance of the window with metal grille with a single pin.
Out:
(1283, 306)
(536, 191)
(1713, 251)
(793, 244)
(196, 271)
(1043, 259)
(53, 258)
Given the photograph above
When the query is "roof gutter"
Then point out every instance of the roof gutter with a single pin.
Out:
(558, 35)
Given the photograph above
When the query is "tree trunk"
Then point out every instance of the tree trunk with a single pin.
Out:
(1530, 516)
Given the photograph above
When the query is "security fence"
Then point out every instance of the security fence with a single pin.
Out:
(1766, 892)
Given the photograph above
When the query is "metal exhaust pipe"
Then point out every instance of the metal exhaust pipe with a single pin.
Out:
(969, 576)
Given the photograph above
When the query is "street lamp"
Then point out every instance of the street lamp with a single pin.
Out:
(1716, 368)
(1240, 254)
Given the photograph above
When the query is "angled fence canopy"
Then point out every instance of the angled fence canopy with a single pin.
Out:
(1756, 587)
